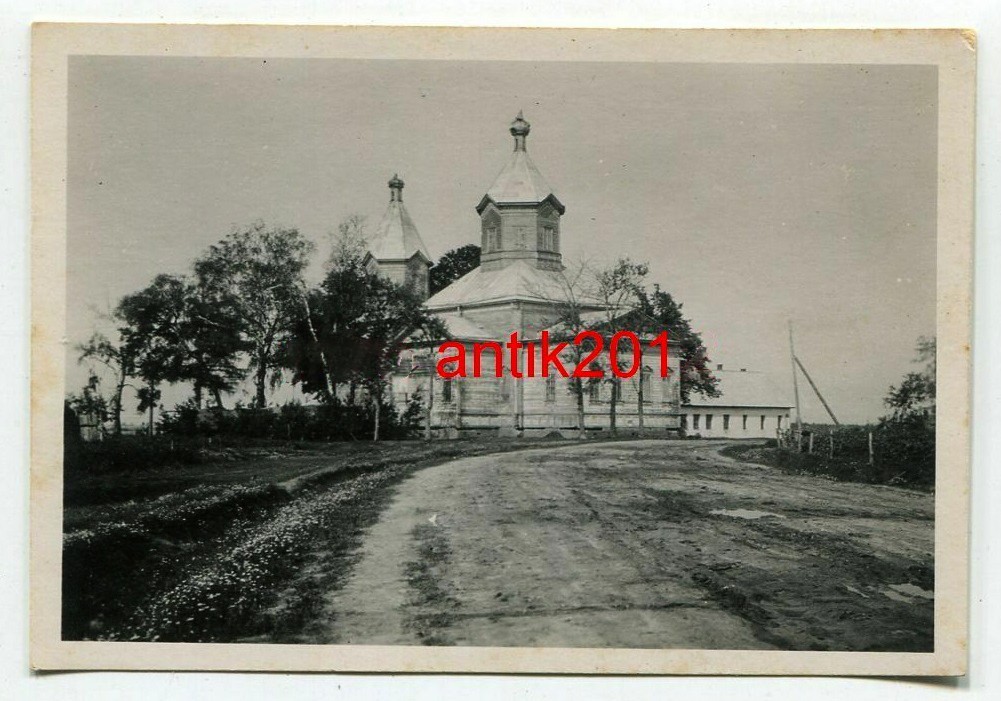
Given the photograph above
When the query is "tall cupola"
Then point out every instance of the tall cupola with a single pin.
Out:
(520, 214)
(396, 249)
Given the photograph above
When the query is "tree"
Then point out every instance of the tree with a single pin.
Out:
(257, 274)
(619, 289)
(349, 244)
(906, 437)
(119, 357)
(453, 265)
(661, 312)
(213, 344)
(90, 402)
(915, 396)
(153, 326)
(351, 330)
(571, 304)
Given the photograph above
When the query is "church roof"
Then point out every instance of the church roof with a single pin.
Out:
(396, 237)
(520, 182)
(744, 388)
(460, 328)
(518, 281)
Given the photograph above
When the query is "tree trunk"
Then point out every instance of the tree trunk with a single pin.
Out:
(217, 396)
(639, 400)
(611, 406)
(430, 406)
(152, 406)
(578, 385)
(260, 380)
(316, 339)
(198, 395)
(116, 403)
(378, 409)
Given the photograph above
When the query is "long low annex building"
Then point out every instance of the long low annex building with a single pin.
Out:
(751, 405)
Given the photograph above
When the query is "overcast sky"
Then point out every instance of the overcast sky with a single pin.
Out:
(758, 193)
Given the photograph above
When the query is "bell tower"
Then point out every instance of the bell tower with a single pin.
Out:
(397, 250)
(520, 214)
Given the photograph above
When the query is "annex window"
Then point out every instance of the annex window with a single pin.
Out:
(551, 388)
(695, 422)
(684, 421)
(709, 422)
(762, 422)
(778, 422)
(726, 422)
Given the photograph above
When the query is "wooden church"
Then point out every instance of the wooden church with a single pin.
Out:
(518, 287)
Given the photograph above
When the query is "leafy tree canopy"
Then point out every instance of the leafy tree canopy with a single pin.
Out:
(453, 265)
(663, 312)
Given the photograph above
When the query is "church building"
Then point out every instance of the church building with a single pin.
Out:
(518, 287)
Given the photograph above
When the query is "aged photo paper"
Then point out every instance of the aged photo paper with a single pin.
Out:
(398, 349)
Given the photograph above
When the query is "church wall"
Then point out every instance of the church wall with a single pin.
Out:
(491, 403)
(394, 271)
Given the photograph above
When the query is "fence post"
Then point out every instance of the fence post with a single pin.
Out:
(799, 441)
(809, 448)
(871, 461)
(831, 452)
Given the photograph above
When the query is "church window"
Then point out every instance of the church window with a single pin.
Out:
(594, 392)
(493, 242)
(551, 388)
(709, 422)
(617, 389)
(504, 389)
(446, 391)
(645, 384)
(547, 239)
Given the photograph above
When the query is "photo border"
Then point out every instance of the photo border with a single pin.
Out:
(952, 50)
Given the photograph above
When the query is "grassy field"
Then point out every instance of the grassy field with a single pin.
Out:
(208, 551)
(839, 468)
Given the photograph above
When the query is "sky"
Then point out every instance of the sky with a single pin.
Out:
(759, 194)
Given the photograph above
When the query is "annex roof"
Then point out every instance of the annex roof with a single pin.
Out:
(744, 388)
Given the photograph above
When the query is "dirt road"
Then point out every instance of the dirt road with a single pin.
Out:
(639, 544)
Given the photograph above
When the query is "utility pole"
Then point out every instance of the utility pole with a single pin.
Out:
(817, 391)
(795, 381)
